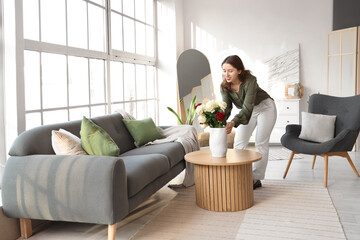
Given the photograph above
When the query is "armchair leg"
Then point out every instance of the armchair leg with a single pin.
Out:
(111, 231)
(351, 164)
(313, 164)
(25, 227)
(326, 157)
(289, 163)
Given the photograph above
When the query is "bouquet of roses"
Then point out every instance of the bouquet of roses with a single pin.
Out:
(211, 113)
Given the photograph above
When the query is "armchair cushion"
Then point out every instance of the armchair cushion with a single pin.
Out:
(317, 127)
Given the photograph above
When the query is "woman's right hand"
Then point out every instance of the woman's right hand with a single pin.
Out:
(229, 127)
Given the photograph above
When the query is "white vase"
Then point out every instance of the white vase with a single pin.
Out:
(218, 142)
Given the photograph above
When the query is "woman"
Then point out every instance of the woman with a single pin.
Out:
(257, 109)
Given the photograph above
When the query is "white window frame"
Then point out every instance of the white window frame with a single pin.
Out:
(108, 56)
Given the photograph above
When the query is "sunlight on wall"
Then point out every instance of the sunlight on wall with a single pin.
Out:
(216, 51)
(166, 61)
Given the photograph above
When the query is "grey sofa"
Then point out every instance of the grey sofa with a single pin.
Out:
(37, 184)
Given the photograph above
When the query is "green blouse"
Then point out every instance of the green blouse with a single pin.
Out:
(249, 95)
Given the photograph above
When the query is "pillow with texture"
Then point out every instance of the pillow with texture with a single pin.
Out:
(143, 131)
(96, 141)
(66, 143)
(317, 127)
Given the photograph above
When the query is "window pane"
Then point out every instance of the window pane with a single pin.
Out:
(78, 113)
(57, 116)
(131, 109)
(97, 81)
(96, 28)
(128, 6)
(151, 108)
(54, 88)
(116, 31)
(77, 23)
(53, 21)
(115, 107)
(141, 82)
(116, 5)
(141, 110)
(100, 2)
(129, 83)
(32, 120)
(150, 51)
(78, 81)
(129, 35)
(116, 76)
(31, 19)
(149, 11)
(140, 38)
(32, 80)
(98, 111)
(151, 86)
(140, 10)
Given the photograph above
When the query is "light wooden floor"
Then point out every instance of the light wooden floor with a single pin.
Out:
(343, 186)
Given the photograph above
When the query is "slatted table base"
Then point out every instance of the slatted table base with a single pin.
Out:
(224, 188)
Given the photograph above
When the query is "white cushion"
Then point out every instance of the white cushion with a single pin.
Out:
(317, 127)
(66, 143)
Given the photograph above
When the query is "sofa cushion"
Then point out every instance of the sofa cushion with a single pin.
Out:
(141, 170)
(66, 143)
(174, 151)
(96, 141)
(117, 130)
(143, 131)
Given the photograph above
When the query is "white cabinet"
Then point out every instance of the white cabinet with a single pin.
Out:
(343, 78)
(342, 62)
(287, 113)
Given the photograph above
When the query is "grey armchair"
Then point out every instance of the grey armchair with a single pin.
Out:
(347, 126)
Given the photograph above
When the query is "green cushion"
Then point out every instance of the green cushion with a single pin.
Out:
(143, 131)
(96, 141)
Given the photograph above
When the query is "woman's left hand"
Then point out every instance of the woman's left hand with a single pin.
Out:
(229, 127)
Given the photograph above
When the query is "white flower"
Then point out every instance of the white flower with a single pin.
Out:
(203, 126)
(210, 106)
(200, 109)
(222, 105)
(202, 118)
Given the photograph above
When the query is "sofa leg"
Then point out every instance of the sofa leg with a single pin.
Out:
(25, 227)
(111, 231)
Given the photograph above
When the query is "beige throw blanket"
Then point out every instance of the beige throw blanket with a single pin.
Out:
(187, 136)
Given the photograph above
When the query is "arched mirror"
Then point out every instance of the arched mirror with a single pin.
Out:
(194, 78)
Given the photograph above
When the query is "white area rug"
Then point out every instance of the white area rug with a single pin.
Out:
(282, 210)
(281, 154)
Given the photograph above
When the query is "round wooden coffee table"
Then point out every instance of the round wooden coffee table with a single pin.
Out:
(224, 184)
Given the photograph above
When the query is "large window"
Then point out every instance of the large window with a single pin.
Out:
(87, 58)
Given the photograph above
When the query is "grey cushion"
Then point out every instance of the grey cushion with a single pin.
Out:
(143, 169)
(174, 151)
(117, 130)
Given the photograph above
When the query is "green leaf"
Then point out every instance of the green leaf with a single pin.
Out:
(179, 119)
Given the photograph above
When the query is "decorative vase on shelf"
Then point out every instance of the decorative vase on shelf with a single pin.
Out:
(218, 142)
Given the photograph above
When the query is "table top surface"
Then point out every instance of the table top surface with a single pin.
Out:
(233, 157)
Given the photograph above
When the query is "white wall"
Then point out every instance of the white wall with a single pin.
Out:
(170, 45)
(257, 29)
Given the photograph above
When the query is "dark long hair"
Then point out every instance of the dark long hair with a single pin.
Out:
(236, 62)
